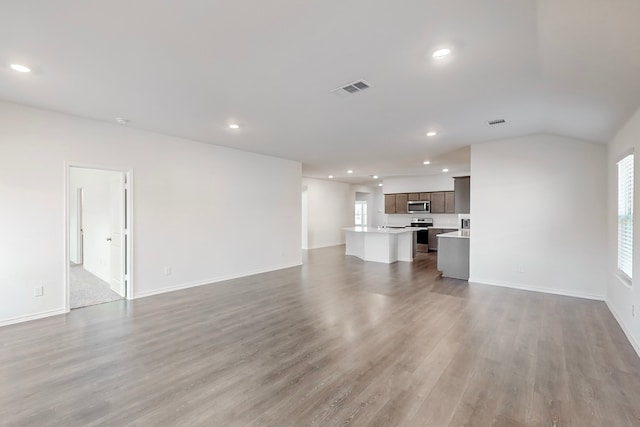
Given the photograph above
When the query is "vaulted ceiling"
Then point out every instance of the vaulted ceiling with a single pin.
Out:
(192, 67)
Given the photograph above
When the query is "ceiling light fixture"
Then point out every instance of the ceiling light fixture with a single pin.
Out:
(432, 133)
(445, 170)
(330, 176)
(427, 162)
(375, 176)
(20, 68)
(441, 53)
(380, 185)
(121, 120)
(349, 171)
(234, 126)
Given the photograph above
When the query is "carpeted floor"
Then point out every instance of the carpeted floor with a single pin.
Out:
(87, 289)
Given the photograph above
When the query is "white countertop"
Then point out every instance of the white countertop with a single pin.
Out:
(448, 227)
(460, 234)
(395, 230)
(380, 230)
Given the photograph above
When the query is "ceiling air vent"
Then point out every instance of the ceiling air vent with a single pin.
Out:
(495, 122)
(351, 88)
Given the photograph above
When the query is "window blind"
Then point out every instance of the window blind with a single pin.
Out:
(625, 215)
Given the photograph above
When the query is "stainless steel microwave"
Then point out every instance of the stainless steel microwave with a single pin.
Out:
(415, 206)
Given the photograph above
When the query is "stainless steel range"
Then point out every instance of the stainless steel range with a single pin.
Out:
(422, 238)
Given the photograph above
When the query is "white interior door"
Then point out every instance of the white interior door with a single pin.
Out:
(116, 237)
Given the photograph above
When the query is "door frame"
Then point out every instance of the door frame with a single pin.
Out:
(79, 226)
(127, 232)
(79, 241)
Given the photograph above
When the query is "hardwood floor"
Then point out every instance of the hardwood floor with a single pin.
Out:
(335, 342)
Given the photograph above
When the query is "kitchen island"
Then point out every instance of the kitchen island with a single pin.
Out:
(385, 245)
(453, 254)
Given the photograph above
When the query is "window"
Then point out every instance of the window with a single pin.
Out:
(625, 215)
(361, 213)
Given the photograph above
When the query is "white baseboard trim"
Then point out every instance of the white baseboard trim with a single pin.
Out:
(627, 332)
(326, 246)
(20, 319)
(211, 281)
(542, 290)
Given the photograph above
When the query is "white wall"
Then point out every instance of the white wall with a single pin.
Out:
(96, 185)
(331, 208)
(418, 184)
(538, 215)
(378, 207)
(621, 297)
(362, 197)
(186, 196)
(305, 218)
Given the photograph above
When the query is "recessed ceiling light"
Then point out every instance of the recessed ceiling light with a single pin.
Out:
(330, 176)
(20, 68)
(445, 170)
(349, 171)
(375, 176)
(427, 162)
(121, 120)
(432, 133)
(234, 126)
(441, 53)
(380, 185)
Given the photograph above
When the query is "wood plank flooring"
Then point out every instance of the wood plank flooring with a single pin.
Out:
(336, 342)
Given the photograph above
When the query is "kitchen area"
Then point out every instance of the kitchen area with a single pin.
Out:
(420, 222)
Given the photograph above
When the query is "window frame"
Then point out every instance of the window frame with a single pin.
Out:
(623, 275)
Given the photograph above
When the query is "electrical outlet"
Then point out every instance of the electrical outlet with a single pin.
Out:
(167, 271)
(38, 291)
(520, 268)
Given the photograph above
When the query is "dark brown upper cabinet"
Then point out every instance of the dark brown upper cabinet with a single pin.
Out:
(389, 203)
(437, 202)
(401, 203)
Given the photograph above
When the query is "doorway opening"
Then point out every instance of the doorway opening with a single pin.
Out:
(98, 224)
(362, 206)
(360, 210)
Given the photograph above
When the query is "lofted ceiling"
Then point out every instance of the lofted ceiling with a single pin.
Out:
(190, 68)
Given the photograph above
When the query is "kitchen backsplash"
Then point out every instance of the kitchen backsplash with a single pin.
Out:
(439, 220)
